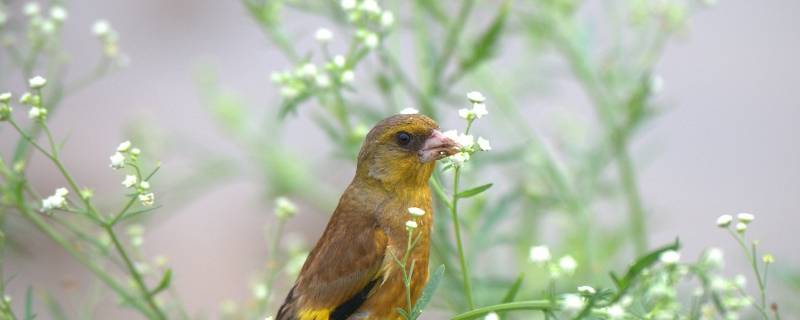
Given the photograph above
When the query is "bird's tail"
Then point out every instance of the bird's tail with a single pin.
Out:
(287, 310)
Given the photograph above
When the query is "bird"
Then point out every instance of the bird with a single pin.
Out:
(350, 273)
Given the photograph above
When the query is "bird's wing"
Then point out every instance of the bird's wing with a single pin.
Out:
(339, 273)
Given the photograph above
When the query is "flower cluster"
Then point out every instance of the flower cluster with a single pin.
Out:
(284, 208)
(468, 143)
(128, 156)
(37, 111)
(415, 213)
(724, 221)
(372, 20)
(309, 77)
(42, 23)
(56, 201)
(108, 37)
(565, 265)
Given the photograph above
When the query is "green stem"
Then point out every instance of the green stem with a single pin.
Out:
(751, 257)
(542, 305)
(137, 278)
(627, 174)
(457, 227)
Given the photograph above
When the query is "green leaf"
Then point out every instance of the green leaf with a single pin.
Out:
(514, 289)
(636, 269)
(427, 292)
(164, 283)
(474, 191)
(485, 46)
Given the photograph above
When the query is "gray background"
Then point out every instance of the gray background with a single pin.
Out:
(725, 143)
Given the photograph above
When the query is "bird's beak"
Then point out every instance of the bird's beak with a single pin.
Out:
(436, 147)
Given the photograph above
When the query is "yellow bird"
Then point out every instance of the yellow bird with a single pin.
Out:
(350, 273)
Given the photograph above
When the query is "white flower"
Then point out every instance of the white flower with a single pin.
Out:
(348, 76)
(387, 19)
(5, 97)
(58, 13)
(61, 192)
(37, 82)
(284, 208)
(587, 290)
(101, 28)
(745, 217)
(136, 151)
(670, 257)
(568, 264)
(409, 111)
(339, 60)
(31, 9)
(260, 291)
(57, 200)
(465, 113)
(465, 140)
(459, 158)
(741, 227)
(740, 281)
(616, 311)
(479, 109)
(308, 70)
(323, 80)
(656, 84)
(476, 97)
(411, 224)
(724, 220)
(37, 113)
(451, 134)
(539, 254)
(491, 316)
(3, 18)
(48, 27)
(117, 161)
(414, 211)
(130, 181)
(370, 6)
(323, 35)
(483, 144)
(715, 257)
(147, 199)
(573, 302)
(348, 4)
(124, 146)
(371, 40)
(144, 185)
(26, 98)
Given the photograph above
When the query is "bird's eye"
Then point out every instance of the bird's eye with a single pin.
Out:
(403, 138)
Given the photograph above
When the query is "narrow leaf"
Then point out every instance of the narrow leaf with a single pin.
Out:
(640, 265)
(164, 283)
(514, 289)
(474, 191)
(487, 43)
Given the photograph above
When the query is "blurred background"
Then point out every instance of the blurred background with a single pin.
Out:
(724, 140)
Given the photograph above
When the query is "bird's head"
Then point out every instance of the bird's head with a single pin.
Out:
(402, 150)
